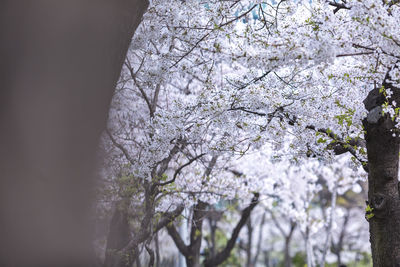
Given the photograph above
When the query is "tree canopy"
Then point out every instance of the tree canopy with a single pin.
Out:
(220, 100)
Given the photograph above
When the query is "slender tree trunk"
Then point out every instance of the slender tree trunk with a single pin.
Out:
(287, 258)
(60, 61)
(196, 234)
(338, 247)
(249, 258)
(329, 226)
(288, 239)
(383, 195)
(157, 247)
(260, 239)
(213, 229)
(266, 258)
(191, 251)
(339, 259)
(309, 248)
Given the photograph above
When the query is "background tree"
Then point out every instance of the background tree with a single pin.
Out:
(246, 83)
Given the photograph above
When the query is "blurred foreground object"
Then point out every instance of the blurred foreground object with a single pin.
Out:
(60, 61)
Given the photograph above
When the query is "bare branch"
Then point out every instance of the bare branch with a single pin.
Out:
(142, 92)
(120, 147)
(178, 240)
(355, 54)
(208, 33)
(338, 6)
(179, 170)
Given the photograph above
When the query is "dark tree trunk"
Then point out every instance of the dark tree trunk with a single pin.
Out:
(191, 251)
(287, 259)
(157, 247)
(60, 61)
(383, 195)
(337, 248)
(266, 258)
(213, 229)
(339, 259)
(196, 235)
(249, 262)
(288, 239)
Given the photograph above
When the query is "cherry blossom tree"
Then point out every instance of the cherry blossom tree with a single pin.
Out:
(223, 78)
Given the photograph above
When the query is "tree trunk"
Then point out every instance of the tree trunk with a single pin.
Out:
(191, 252)
(287, 258)
(383, 195)
(260, 239)
(193, 260)
(338, 247)
(196, 235)
(60, 61)
(157, 247)
(213, 229)
(288, 239)
(266, 258)
(339, 259)
(249, 262)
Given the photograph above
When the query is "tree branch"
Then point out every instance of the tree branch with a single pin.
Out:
(340, 147)
(260, 238)
(338, 6)
(208, 33)
(173, 233)
(144, 234)
(151, 254)
(142, 92)
(168, 217)
(120, 147)
(179, 170)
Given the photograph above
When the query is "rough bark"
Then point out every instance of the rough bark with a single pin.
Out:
(60, 61)
(383, 195)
